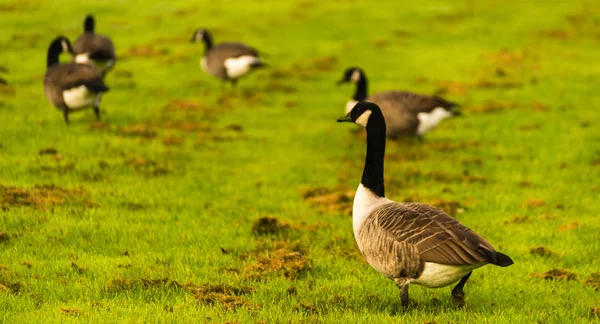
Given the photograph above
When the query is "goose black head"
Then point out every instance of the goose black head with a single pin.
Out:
(352, 75)
(59, 45)
(89, 24)
(361, 113)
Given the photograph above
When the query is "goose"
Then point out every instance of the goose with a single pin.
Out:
(406, 113)
(71, 86)
(94, 49)
(226, 61)
(410, 242)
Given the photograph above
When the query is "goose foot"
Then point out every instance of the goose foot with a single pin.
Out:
(402, 284)
(458, 295)
(66, 116)
(97, 112)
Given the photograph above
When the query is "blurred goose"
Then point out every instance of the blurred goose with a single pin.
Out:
(406, 113)
(226, 61)
(410, 242)
(94, 49)
(71, 86)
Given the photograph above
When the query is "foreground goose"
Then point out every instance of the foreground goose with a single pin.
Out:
(406, 113)
(94, 49)
(410, 242)
(226, 61)
(72, 86)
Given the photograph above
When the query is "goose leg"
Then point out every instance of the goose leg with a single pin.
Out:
(66, 116)
(97, 112)
(402, 284)
(458, 295)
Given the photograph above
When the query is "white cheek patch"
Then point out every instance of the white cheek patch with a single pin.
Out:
(65, 46)
(428, 121)
(350, 104)
(363, 119)
(236, 67)
(355, 77)
(79, 97)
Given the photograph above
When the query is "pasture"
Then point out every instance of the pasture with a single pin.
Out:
(195, 203)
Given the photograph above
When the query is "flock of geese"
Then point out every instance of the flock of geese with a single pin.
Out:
(406, 242)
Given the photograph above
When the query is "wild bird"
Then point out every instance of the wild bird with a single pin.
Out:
(410, 242)
(71, 86)
(227, 61)
(91, 48)
(406, 113)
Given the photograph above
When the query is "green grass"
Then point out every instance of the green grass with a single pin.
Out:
(127, 221)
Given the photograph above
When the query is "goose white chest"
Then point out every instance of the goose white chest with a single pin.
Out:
(364, 203)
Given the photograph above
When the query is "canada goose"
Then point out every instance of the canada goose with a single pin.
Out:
(71, 86)
(406, 113)
(410, 242)
(91, 48)
(226, 61)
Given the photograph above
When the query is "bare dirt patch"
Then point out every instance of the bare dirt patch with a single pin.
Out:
(568, 227)
(518, 219)
(4, 237)
(11, 287)
(285, 259)
(269, 226)
(595, 312)
(43, 197)
(228, 297)
(148, 167)
(335, 200)
(593, 281)
(533, 203)
(172, 140)
(542, 251)
(71, 312)
(491, 107)
(144, 51)
(137, 130)
(48, 151)
(556, 274)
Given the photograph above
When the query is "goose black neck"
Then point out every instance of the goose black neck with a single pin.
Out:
(208, 42)
(89, 24)
(372, 177)
(361, 89)
(53, 53)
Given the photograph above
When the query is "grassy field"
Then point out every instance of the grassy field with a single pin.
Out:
(192, 204)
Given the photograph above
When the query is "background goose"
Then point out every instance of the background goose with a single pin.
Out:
(91, 48)
(71, 86)
(226, 61)
(406, 113)
(410, 242)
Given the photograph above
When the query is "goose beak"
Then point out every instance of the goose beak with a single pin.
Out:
(346, 118)
(340, 82)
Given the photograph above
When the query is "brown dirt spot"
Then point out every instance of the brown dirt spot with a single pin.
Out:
(491, 107)
(336, 200)
(326, 63)
(71, 312)
(309, 309)
(138, 130)
(235, 127)
(269, 226)
(538, 106)
(226, 296)
(542, 251)
(518, 220)
(99, 125)
(172, 140)
(293, 103)
(289, 263)
(593, 281)
(278, 86)
(186, 126)
(381, 43)
(595, 311)
(548, 217)
(556, 34)
(48, 151)
(568, 227)
(525, 184)
(77, 268)
(147, 166)
(556, 274)
(533, 203)
(7, 90)
(4, 237)
(185, 105)
(43, 197)
(12, 287)
(144, 51)
(498, 84)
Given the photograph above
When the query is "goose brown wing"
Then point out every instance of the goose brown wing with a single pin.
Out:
(412, 102)
(72, 75)
(99, 47)
(438, 237)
